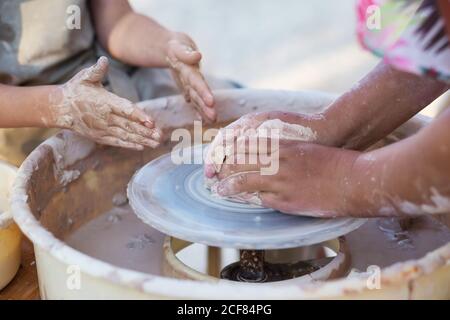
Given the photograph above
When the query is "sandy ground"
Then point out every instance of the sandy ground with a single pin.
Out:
(289, 44)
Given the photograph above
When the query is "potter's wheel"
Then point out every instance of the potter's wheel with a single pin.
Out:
(172, 198)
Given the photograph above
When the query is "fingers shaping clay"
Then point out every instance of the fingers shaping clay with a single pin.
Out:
(274, 129)
(172, 198)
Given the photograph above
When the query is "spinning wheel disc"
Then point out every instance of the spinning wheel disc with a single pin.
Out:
(173, 199)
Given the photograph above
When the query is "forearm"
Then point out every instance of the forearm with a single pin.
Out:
(130, 37)
(26, 106)
(409, 177)
(378, 104)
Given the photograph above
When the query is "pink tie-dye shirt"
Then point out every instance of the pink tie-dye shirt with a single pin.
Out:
(408, 34)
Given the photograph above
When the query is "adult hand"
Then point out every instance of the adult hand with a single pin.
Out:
(311, 180)
(228, 136)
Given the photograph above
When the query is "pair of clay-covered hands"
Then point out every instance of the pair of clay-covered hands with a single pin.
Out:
(86, 107)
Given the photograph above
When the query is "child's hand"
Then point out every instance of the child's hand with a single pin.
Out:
(184, 61)
(311, 180)
(83, 105)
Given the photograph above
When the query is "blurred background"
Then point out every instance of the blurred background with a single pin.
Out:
(289, 44)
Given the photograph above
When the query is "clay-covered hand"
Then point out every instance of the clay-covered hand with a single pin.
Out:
(227, 137)
(85, 106)
(184, 58)
(311, 179)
